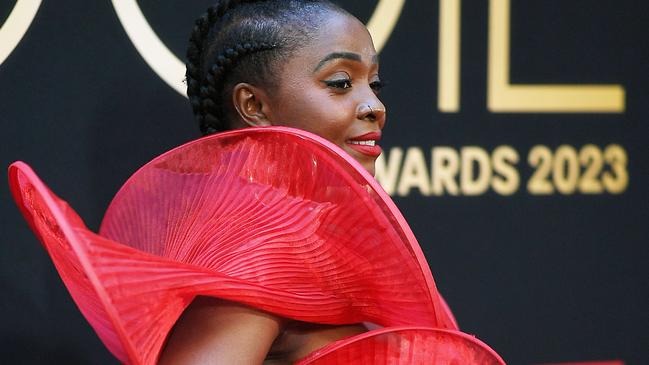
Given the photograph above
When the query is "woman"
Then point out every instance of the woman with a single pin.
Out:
(303, 64)
(346, 261)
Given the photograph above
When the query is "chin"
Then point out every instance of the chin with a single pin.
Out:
(370, 168)
(368, 163)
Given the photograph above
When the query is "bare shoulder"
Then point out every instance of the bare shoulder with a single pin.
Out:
(298, 339)
(214, 331)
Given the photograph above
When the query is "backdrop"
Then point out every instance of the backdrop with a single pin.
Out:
(515, 147)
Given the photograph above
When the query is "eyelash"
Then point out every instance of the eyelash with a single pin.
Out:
(339, 84)
(344, 84)
(377, 86)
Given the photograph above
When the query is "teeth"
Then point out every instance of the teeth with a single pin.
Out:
(364, 143)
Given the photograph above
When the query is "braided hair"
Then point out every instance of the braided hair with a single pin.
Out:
(243, 41)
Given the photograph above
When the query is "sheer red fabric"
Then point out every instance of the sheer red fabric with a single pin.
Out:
(406, 346)
(275, 218)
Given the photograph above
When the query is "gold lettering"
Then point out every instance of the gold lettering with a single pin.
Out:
(540, 158)
(445, 167)
(503, 97)
(565, 169)
(504, 158)
(448, 74)
(414, 173)
(617, 180)
(475, 182)
(387, 174)
(383, 20)
(590, 157)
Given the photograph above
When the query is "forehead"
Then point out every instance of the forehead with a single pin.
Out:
(339, 33)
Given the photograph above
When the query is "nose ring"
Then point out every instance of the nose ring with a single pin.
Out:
(371, 110)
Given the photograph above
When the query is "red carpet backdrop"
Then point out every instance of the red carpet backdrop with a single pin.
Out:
(515, 147)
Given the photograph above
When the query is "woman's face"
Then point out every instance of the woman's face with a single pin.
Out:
(330, 87)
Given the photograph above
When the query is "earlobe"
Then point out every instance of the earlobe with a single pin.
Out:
(251, 104)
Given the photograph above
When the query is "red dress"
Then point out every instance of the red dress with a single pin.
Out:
(274, 218)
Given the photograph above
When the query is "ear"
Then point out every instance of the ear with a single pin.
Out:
(252, 105)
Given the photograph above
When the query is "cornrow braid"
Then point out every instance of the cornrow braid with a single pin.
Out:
(243, 41)
(215, 75)
(197, 41)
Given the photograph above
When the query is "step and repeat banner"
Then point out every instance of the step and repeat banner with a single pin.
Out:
(516, 147)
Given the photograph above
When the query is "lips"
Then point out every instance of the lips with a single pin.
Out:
(366, 144)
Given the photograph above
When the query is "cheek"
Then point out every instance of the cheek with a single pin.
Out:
(318, 113)
(332, 123)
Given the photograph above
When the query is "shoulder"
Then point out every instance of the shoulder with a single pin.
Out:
(216, 331)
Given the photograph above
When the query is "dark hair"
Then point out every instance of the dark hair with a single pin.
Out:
(244, 41)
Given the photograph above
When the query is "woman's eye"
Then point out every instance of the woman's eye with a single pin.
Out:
(377, 85)
(339, 84)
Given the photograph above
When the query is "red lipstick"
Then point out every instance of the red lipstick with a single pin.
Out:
(366, 144)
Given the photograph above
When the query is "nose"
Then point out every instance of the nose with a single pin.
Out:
(372, 111)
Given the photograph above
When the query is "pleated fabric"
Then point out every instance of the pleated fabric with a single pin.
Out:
(406, 346)
(274, 218)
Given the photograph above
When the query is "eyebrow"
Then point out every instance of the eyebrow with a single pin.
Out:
(343, 55)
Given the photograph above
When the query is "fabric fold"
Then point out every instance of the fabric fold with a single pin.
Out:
(274, 218)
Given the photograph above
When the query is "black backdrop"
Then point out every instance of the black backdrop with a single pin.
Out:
(542, 278)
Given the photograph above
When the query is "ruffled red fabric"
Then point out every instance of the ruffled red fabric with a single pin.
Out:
(275, 218)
